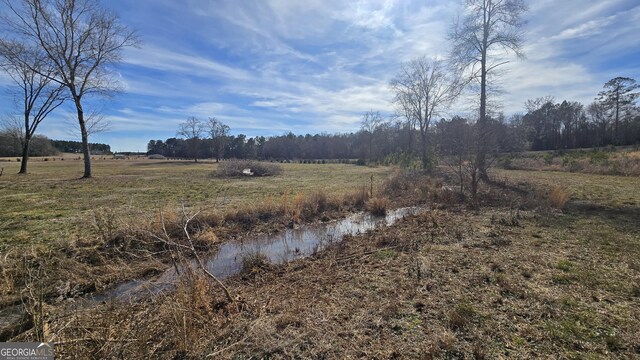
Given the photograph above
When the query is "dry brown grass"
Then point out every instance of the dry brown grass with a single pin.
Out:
(236, 168)
(448, 283)
(434, 286)
(378, 206)
(604, 162)
(559, 196)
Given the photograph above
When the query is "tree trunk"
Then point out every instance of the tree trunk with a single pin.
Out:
(25, 154)
(85, 139)
(480, 158)
(425, 162)
(616, 139)
(474, 183)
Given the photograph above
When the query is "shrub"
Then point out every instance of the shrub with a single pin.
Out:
(378, 206)
(599, 157)
(254, 263)
(571, 162)
(461, 315)
(548, 158)
(505, 162)
(358, 198)
(398, 182)
(559, 197)
(316, 203)
(234, 168)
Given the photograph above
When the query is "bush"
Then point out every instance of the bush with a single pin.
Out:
(599, 157)
(357, 199)
(254, 263)
(378, 206)
(505, 162)
(571, 162)
(548, 158)
(398, 182)
(234, 168)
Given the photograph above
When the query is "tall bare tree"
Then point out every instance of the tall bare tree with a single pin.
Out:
(38, 95)
(488, 31)
(81, 41)
(424, 89)
(192, 130)
(218, 131)
(619, 94)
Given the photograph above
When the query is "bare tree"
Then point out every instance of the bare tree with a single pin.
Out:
(488, 31)
(38, 95)
(370, 122)
(424, 89)
(192, 130)
(457, 147)
(95, 123)
(218, 131)
(81, 41)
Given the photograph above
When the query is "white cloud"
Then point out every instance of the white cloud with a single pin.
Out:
(310, 66)
(154, 57)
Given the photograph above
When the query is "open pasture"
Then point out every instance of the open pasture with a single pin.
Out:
(52, 203)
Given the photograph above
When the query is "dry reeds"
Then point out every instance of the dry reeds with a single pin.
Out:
(559, 197)
(237, 168)
(378, 206)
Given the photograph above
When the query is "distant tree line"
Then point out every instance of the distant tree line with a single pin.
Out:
(387, 141)
(40, 145)
(10, 145)
(612, 119)
(76, 147)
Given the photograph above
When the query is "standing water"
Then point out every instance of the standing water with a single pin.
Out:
(278, 248)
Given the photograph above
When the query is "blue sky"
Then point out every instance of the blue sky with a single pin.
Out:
(273, 66)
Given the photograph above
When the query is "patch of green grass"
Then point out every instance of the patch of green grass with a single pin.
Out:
(565, 265)
(385, 254)
(602, 190)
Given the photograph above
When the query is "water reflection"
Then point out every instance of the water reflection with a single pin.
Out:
(278, 248)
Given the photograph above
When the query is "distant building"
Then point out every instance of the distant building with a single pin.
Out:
(157, 157)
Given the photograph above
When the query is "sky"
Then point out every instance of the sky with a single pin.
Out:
(273, 66)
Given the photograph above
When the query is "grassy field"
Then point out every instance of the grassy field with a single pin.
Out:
(52, 203)
(609, 161)
(516, 279)
(603, 190)
(508, 276)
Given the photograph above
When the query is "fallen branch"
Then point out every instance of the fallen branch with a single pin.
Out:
(195, 254)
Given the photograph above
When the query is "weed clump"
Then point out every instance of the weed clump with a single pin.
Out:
(237, 168)
(254, 264)
(378, 206)
(559, 197)
(461, 315)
